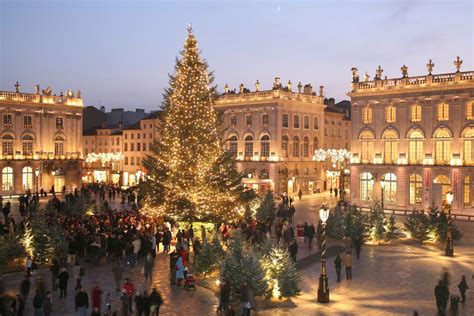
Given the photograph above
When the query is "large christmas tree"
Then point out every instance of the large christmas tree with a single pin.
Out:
(190, 175)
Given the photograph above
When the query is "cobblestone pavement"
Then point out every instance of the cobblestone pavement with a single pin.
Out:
(177, 301)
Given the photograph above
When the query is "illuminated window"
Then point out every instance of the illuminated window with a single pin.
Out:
(248, 120)
(442, 146)
(416, 189)
(265, 146)
(306, 146)
(468, 186)
(443, 112)
(7, 179)
(415, 113)
(233, 145)
(233, 120)
(366, 186)
(27, 121)
(7, 120)
(391, 140)
(284, 146)
(468, 148)
(390, 114)
(265, 119)
(470, 111)
(27, 145)
(296, 121)
(285, 121)
(296, 146)
(305, 122)
(390, 188)
(59, 123)
(248, 146)
(366, 115)
(315, 123)
(367, 139)
(315, 144)
(7, 145)
(59, 146)
(415, 146)
(27, 178)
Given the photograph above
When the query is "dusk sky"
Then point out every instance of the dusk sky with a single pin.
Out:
(120, 52)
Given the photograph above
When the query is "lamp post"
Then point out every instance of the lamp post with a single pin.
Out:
(323, 289)
(382, 185)
(37, 172)
(449, 240)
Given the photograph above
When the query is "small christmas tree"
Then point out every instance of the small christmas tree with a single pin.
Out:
(336, 224)
(281, 273)
(391, 228)
(376, 221)
(210, 256)
(266, 212)
(418, 225)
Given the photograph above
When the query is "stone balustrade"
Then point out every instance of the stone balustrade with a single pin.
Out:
(38, 98)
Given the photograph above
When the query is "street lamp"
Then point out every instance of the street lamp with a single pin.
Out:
(449, 240)
(323, 290)
(382, 185)
(37, 172)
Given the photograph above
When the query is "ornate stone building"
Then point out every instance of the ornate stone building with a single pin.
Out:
(273, 135)
(417, 135)
(41, 140)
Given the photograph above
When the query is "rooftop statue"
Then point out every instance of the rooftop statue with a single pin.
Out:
(355, 74)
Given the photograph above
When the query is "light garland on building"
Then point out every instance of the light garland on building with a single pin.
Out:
(104, 158)
(336, 155)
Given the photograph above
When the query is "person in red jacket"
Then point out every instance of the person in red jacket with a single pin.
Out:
(96, 297)
(130, 289)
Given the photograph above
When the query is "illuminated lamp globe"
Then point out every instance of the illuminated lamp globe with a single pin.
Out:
(324, 214)
(449, 197)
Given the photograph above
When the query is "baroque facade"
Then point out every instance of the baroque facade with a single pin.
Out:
(274, 133)
(41, 141)
(413, 136)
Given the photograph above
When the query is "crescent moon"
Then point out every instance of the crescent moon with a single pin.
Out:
(279, 8)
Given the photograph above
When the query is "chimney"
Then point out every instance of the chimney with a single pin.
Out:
(308, 89)
(102, 109)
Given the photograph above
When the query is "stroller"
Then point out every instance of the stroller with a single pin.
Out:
(190, 283)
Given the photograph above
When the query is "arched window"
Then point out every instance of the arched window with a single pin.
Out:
(468, 148)
(233, 145)
(7, 144)
(59, 145)
(366, 186)
(27, 177)
(248, 152)
(391, 140)
(468, 189)
(306, 146)
(416, 189)
(27, 145)
(442, 146)
(390, 114)
(443, 112)
(415, 115)
(284, 146)
(265, 146)
(315, 144)
(296, 146)
(367, 139)
(366, 115)
(415, 146)
(390, 187)
(7, 179)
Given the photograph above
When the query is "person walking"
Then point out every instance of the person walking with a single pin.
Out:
(130, 290)
(179, 271)
(155, 301)
(246, 298)
(293, 250)
(442, 296)
(358, 245)
(47, 305)
(77, 273)
(300, 194)
(63, 278)
(38, 304)
(338, 266)
(125, 303)
(81, 302)
(224, 297)
(117, 271)
(54, 275)
(96, 297)
(25, 287)
(462, 288)
(148, 267)
(311, 235)
(348, 264)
